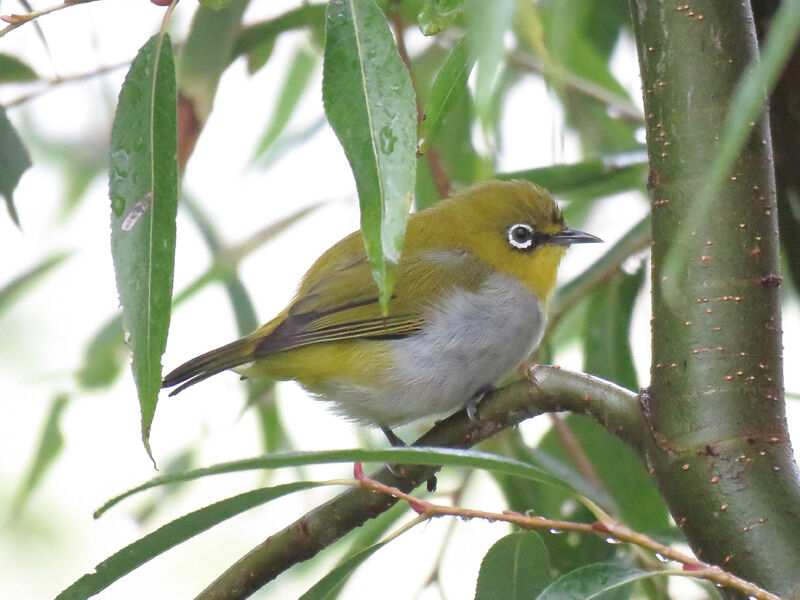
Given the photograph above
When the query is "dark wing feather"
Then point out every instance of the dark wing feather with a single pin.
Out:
(344, 304)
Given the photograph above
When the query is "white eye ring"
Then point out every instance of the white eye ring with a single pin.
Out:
(520, 236)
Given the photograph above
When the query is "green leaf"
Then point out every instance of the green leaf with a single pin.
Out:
(104, 356)
(369, 102)
(488, 23)
(450, 82)
(438, 15)
(214, 4)
(587, 180)
(581, 36)
(207, 51)
(14, 161)
(260, 55)
(150, 508)
(603, 580)
(332, 583)
(409, 455)
(144, 199)
(13, 69)
(254, 37)
(566, 551)
(607, 347)
(516, 567)
(51, 442)
(621, 471)
(106, 352)
(170, 535)
(15, 288)
(297, 79)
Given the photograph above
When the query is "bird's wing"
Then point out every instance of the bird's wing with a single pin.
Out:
(343, 304)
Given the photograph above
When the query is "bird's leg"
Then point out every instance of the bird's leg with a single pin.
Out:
(472, 404)
(393, 438)
(396, 442)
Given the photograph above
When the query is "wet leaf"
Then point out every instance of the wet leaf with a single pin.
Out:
(516, 567)
(438, 15)
(144, 199)
(369, 102)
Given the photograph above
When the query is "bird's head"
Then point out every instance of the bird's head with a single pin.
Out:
(515, 227)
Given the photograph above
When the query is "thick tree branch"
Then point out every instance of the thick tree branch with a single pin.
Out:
(548, 389)
(721, 453)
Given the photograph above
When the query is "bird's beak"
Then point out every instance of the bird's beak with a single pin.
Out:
(568, 236)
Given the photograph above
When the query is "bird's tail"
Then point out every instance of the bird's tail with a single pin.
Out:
(208, 364)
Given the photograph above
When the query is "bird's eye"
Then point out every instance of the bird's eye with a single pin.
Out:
(521, 236)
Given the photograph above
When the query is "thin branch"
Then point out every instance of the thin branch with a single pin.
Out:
(624, 107)
(547, 389)
(574, 449)
(15, 21)
(455, 498)
(439, 175)
(609, 530)
(48, 85)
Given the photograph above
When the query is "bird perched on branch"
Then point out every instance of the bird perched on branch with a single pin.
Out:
(474, 281)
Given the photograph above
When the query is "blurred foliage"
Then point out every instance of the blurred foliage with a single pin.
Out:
(464, 75)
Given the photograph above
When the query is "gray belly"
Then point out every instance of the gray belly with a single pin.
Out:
(469, 342)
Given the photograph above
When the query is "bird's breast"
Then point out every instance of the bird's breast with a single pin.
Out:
(470, 340)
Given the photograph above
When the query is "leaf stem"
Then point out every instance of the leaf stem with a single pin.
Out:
(15, 20)
(609, 530)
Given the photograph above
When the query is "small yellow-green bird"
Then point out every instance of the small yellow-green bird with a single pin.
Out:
(474, 281)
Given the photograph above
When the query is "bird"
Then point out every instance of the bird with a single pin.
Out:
(474, 281)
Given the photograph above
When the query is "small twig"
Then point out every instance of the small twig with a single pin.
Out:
(440, 178)
(15, 21)
(627, 111)
(455, 498)
(573, 447)
(50, 84)
(609, 530)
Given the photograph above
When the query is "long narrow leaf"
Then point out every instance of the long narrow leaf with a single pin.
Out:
(590, 178)
(409, 455)
(144, 198)
(206, 53)
(450, 80)
(170, 535)
(607, 347)
(51, 441)
(488, 23)
(331, 584)
(369, 101)
(297, 79)
(10, 292)
(255, 36)
(14, 161)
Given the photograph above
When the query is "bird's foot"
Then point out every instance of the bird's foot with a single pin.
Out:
(472, 404)
(397, 442)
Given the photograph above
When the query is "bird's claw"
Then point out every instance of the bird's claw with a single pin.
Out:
(472, 404)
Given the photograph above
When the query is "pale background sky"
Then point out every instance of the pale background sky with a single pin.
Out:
(57, 540)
